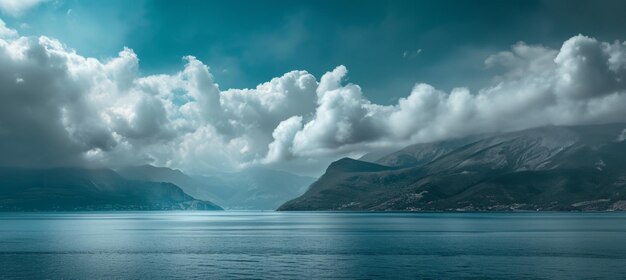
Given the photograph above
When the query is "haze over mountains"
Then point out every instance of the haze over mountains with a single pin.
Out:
(145, 188)
(546, 168)
(249, 189)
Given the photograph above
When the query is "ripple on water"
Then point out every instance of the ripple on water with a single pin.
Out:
(268, 245)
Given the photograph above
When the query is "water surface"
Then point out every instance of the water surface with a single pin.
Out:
(313, 245)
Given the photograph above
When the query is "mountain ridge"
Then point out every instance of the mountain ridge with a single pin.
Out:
(66, 188)
(249, 189)
(534, 169)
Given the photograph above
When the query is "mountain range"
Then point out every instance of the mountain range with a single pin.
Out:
(547, 168)
(557, 168)
(145, 187)
(65, 189)
(249, 189)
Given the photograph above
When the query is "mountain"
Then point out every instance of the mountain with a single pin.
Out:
(88, 189)
(150, 173)
(249, 189)
(375, 155)
(547, 168)
(423, 153)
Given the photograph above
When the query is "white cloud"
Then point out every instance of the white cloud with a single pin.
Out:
(622, 136)
(60, 108)
(279, 149)
(18, 7)
(6, 32)
(583, 82)
(410, 54)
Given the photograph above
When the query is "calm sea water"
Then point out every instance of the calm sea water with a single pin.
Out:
(308, 245)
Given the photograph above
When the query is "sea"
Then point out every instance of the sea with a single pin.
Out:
(312, 245)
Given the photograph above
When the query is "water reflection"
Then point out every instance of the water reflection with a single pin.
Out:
(305, 245)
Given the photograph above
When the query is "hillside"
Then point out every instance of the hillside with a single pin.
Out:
(86, 189)
(547, 168)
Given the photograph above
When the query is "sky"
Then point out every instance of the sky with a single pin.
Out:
(223, 85)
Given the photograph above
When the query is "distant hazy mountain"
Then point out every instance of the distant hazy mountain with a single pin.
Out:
(548, 168)
(82, 189)
(250, 189)
(151, 173)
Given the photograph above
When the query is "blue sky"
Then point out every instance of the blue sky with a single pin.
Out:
(249, 42)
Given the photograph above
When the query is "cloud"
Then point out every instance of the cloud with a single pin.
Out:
(279, 149)
(583, 82)
(622, 136)
(60, 108)
(6, 32)
(18, 7)
(410, 54)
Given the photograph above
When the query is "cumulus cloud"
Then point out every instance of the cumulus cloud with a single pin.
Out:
(60, 108)
(581, 83)
(6, 32)
(18, 7)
